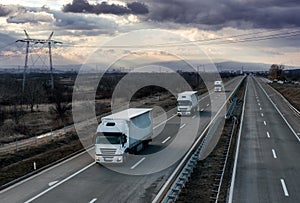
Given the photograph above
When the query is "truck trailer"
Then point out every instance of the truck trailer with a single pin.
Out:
(187, 103)
(127, 131)
(218, 86)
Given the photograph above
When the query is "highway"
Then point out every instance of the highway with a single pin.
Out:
(268, 165)
(79, 179)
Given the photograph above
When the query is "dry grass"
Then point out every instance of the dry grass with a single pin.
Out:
(291, 92)
(15, 165)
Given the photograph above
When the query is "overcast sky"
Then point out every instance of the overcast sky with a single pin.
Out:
(215, 25)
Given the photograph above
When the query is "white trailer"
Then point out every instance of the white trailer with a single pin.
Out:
(187, 103)
(128, 131)
(218, 87)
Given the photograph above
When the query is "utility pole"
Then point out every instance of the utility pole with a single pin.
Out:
(50, 61)
(25, 66)
(30, 41)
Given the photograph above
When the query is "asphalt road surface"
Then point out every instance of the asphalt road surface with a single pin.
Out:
(268, 165)
(79, 179)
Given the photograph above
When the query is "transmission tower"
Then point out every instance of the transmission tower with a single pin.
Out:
(28, 40)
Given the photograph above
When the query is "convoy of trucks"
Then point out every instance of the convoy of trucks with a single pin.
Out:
(128, 131)
(187, 103)
(218, 87)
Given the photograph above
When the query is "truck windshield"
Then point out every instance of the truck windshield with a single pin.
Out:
(109, 138)
(184, 103)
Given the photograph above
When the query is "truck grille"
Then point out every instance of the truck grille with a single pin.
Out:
(183, 109)
(108, 151)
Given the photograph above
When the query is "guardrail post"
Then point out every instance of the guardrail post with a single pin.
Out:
(34, 165)
(17, 144)
(51, 134)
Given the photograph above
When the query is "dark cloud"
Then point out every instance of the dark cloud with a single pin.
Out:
(83, 6)
(5, 10)
(216, 14)
(89, 25)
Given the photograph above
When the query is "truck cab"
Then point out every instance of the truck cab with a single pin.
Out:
(110, 142)
(218, 87)
(187, 103)
(128, 131)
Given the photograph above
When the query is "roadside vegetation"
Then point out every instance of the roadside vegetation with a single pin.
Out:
(290, 91)
(287, 83)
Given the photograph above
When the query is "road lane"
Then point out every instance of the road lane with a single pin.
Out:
(114, 186)
(265, 160)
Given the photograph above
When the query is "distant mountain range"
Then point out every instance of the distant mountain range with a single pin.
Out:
(127, 66)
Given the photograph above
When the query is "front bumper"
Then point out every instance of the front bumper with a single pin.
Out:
(109, 158)
(183, 113)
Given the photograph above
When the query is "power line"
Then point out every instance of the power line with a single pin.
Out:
(222, 40)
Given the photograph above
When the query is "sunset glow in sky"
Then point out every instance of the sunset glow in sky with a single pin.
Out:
(226, 30)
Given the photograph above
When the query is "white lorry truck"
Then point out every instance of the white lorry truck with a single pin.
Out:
(127, 131)
(218, 86)
(187, 103)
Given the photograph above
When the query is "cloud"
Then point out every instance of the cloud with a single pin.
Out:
(30, 17)
(83, 6)
(5, 10)
(90, 25)
(217, 14)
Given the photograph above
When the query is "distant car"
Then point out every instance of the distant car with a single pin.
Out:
(280, 82)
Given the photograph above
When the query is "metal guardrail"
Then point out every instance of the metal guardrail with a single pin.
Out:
(231, 108)
(184, 176)
(184, 169)
(224, 163)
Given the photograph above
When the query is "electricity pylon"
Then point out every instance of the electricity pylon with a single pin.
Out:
(28, 40)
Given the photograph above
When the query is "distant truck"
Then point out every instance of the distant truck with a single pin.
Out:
(187, 103)
(128, 131)
(218, 86)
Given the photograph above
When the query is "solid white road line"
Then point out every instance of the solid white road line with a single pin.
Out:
(278, 111)
(237, 148)
(265, 122)
(268, 134)
(59, 183)
(207, 104)
(140, 161)
(262, 115)
(46, 170)
(274, 154)
(93, 200)
(194, 116)
(182, 126)
(286, 193)
(166, 140)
